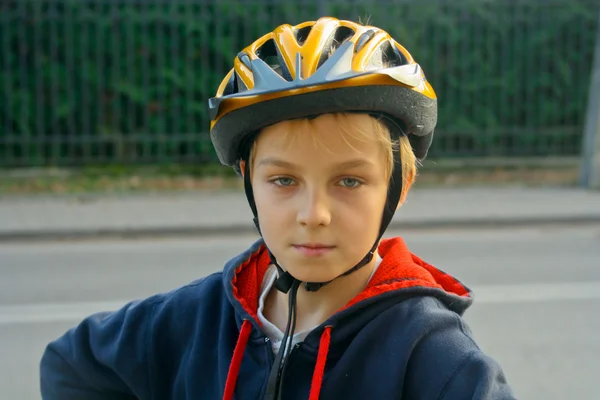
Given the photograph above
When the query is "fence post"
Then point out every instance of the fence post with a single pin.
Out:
(590, 168)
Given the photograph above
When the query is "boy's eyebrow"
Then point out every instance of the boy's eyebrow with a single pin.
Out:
(359, 162)
(277, 162)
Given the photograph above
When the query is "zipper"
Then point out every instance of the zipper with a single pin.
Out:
(294, 348)
(271, 356)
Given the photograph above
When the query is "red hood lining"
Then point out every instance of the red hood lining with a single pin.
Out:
(248, 278)
(398, 269)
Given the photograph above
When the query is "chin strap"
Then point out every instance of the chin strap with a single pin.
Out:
(285, 280)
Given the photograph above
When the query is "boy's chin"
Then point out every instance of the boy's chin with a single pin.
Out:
(312, 276)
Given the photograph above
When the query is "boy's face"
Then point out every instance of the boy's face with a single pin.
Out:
(319, 205)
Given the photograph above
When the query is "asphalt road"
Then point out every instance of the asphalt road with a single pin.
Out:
(537, 307)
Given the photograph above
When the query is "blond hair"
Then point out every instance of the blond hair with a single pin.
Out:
(349, 127)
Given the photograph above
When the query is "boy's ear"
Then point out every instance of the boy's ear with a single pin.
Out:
(242, 167)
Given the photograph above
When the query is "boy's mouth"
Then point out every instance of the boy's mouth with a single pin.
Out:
(313, 249)
(314, 245)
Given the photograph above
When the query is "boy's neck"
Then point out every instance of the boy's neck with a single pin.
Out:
(314, 308)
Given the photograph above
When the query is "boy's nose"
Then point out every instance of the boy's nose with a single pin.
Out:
(314, 210)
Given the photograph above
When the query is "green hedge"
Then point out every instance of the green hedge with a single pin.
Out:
(127, 81)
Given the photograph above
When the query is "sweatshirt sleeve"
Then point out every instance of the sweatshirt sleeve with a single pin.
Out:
(104, 357)
(477, 377)
(447, 364)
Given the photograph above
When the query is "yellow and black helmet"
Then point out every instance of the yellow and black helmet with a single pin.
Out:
(320, 67)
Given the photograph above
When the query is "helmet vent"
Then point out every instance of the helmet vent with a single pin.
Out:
(340, 36)
(302, 34)
(394, 57)
(385, 57)
(239, 83)
(231, 86)
(270, 55)
(234, 85)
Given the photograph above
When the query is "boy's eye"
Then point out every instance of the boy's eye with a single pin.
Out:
(349, 182)
(283, 181)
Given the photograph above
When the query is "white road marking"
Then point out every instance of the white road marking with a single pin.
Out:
(536, 292)
(36, 313)
(484, 294)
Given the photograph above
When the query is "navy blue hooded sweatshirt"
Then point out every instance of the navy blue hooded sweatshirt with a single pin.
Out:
(401, 338)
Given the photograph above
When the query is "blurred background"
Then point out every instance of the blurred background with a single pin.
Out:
(110, 189)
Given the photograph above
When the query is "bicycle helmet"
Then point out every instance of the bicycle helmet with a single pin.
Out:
(319, 67)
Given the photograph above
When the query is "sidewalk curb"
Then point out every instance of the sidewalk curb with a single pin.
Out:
(247, 228)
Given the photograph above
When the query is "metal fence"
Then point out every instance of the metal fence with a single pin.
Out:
(127, 81)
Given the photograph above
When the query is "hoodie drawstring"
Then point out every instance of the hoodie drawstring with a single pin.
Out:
(317, 380)
(238, 354)
(236, 361)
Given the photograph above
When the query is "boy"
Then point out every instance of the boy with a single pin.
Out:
(327, 137)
